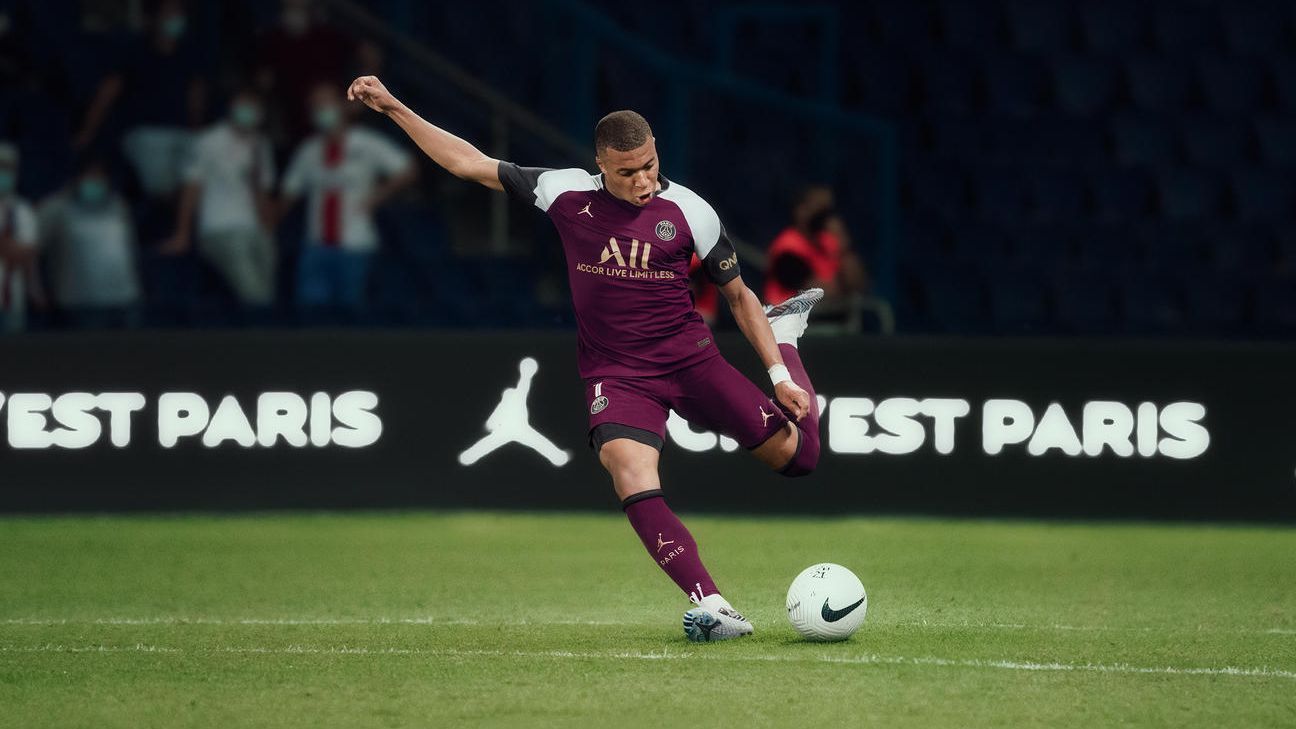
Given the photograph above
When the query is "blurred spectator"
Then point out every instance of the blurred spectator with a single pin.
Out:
(347, 172)
(228, 183)
(161, 83)
(300, 52)
(88, 239)
(18, 250)
(814, 251)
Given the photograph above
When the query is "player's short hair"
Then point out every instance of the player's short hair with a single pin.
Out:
(621, 130)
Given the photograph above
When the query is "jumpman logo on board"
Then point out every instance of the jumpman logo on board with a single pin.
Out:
(511, 423)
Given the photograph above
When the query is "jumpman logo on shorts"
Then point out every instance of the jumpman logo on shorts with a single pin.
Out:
(585, 210)
(765, 416)
(662, 545)
(511, 423)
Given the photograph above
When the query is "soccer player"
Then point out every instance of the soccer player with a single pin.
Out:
(629, 234)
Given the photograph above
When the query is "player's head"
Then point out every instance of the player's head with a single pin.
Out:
(327, 110)
(812, 206)
(93, 186)
(245, 110)
(8, 169)
(626, 152)
(296, 15)
(169, 20)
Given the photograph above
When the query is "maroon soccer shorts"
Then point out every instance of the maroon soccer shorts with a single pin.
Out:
(710, 394)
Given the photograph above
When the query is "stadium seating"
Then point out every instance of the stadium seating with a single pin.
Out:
(1277, 140)
(953, 301)
(1113, 27)
(1120, 195)
(1085, 305)
(1150, 305)
(1018, 304)
(1217, 141)
(1232, 85)
(1039, 27)
(1255, 28)
(1183, 27)
(1106, 166)
(1214, 305)
(1189, 194)
(1015, 85)
(1085, 85)
(1143, 140)
(1152, 143)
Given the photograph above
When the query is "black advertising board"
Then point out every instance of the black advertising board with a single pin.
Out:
(246, 420)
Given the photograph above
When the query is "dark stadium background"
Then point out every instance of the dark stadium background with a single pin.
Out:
(1058, 432)
(1006, 168)
(1056, 202)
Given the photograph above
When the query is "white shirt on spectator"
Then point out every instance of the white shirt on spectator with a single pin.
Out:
(349, 178)
(223, 163)
(91, 252)
(16, 219)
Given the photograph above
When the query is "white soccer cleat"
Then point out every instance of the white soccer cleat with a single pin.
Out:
(789, 319)
(715, 619)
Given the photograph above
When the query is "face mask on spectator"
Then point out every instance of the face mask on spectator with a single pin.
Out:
(92, 191)
(328, 118)
(173, 26)
(8, 181)
(246, 116)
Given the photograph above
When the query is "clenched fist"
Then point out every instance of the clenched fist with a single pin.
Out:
(374, 95)
(792, 397)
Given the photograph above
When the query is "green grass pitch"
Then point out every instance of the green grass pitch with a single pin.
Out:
(414, 619)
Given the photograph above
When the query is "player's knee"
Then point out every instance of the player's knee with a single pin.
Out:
(808, 459)
(803, 458)
(631, 468)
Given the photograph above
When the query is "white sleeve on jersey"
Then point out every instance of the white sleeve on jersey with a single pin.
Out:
(540, 186)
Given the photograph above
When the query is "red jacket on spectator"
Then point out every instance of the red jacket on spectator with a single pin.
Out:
(793, 256)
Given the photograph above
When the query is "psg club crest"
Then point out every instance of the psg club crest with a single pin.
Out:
(600, 400)
(666, 230)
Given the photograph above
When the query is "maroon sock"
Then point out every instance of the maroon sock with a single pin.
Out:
(807, 453)
(666, 539)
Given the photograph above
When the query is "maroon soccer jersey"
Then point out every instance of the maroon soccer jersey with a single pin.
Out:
(629, 268)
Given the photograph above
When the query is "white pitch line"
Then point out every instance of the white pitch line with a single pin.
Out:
(298, 621)
(866, 659)
(1093, 628)
(525, 622)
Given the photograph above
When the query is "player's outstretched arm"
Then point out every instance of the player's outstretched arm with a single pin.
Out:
(750, 316)
(458, 157)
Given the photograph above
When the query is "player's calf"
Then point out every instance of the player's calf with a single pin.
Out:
(788, 321)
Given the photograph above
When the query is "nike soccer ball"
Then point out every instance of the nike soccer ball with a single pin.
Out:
(826, 602)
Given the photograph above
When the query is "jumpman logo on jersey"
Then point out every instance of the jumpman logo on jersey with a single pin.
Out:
(585, 210)
(662, 544)
(765, 416)
(511, 423)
